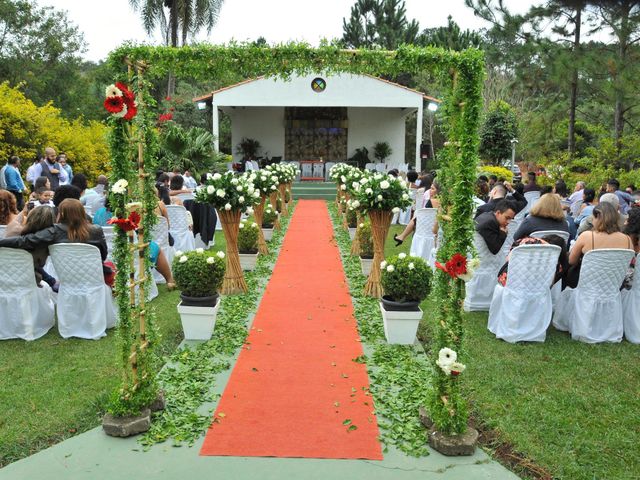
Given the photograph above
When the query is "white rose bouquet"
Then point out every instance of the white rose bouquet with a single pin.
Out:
(383, 192)
(229, 192)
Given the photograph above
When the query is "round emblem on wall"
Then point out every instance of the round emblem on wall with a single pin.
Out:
(318, 85)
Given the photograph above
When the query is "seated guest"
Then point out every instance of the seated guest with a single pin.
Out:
(80, 182)
(43, 197)
(606, 233)
(162, 185)
(72, 227)
(546, 214)
(482, 191)
(431, 202)
(531, 186)
(576, 197)
(103, 214)
(176, 187)
(587, 223)
(412, 176)
(585, 206)
(499, 193)
(632, 228)
(624, 198)
(39, 219)
(8, 207)
(492, 226)
(101, 185)
(189, 181)
(563, 259)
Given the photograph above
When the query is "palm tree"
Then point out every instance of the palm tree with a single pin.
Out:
(175, 18)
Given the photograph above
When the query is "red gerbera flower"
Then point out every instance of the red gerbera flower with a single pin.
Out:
(135, 218)
(132, 110)
(114, 104)
(457, 265)
(128, 95)
(126, 224)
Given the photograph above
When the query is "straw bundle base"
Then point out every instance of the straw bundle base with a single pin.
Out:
(380, 223)
(258, 213)
(233, 281)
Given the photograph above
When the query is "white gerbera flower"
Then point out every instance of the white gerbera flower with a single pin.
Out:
(199, 250)
(120, 186)
(227, 206)
(383, 264)
(395, 210)
(384, 184)
(390, 268)
(402, 255)
(220, 254)
(183, 259)
(217, 176)
(112, 91)
(210, 189)
(220, 193)
(411, 266)
(446, 356)
(211, 260)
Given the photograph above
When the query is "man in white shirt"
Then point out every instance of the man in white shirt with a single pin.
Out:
(3, 180)
(31, 172)
(189, 181)
(576, 198)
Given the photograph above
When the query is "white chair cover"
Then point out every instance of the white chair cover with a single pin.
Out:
(479, 290)
(318, 170)
(85, 304)
(327, 167)
(404, 217)
(592, 311)
(381, 167)
(186, 196)
(255, 164)
(532, 198)
(160, 235)
(3, 229)
(179, 228)
(423, 238)
(521, 310)
(109, 234)
(631, 307)
(370, 166)
(307, 170)
(419, 198)
(26, 311)
(544, 233)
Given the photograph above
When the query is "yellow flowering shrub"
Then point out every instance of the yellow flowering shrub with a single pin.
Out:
(500, 172)
(26, 130)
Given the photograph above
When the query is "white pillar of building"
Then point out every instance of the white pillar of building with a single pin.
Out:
(215, 127)
(419, 138)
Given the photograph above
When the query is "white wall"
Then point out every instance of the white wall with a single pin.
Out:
(370, 125)
(263, 124)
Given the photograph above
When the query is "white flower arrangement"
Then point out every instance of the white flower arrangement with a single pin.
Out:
(383, 192)
(120, 186)
(447, 361)
(228, 191)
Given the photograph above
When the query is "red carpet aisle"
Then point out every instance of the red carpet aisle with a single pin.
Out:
(295, 390)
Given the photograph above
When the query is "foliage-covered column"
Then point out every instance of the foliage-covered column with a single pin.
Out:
(447, 407)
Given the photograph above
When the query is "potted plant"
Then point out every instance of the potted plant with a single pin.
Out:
(380, 196)
(231, 195)
(366, 247)
(248, 148)
(269, 218)
(352, 217)
(406, 281)
(248, 244)
(382, 151)
(198, 276)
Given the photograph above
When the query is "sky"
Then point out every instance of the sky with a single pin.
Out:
(276, 20)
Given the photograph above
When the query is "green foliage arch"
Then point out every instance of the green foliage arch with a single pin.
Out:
(464, 72)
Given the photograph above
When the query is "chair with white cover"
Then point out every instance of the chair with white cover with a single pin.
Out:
(631, 307)
(318, 170)
(307, 170)
(26, 311)
(179, 228)
(592, 312)
(109, 234)
(327, 167)
(3, 229)
(423, 238)
(255, 164)
(419, 199)
(370, 167)
(85, 305)
(185, 196)
(381, 167)
(532, 198)
(544, 233)
(160, 235)
(479, 290)
(521, 310)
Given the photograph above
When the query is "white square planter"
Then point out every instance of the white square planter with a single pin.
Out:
(365, 264)
(352, 233)
(248, 261)
(198, 322)
(268, 233)
(400, 327)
